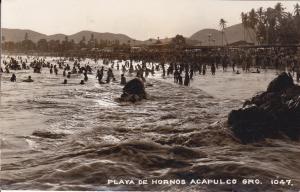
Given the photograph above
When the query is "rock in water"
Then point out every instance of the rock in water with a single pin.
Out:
(281, 83)
(271, 114)
(134, 91)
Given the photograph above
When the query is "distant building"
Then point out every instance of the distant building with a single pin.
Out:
(108, 49)
(241, 43)
(136, 49)
(159, 46)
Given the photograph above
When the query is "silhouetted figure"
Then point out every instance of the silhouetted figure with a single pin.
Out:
(176, 74)
(74, 70)
(65, 81)
(110, 75)
(213, 69)
(55, 70)
(191, 74)
(6, 69)
(204, 70)
(180, 79)
(85, 76)
(186, 79)
(123, 79)
(13, 78)
(28, 80)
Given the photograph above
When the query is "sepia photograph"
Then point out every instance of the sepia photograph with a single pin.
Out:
(150, 95)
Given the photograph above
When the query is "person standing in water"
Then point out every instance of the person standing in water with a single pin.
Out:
(179, 79)
(110, 75)
(204, 69)
(85, 75)
(213, 69)
(65, 81)
(100, 74)
(55, 70)
(13, 78)
(176, 75)
(51, 69)
(123, 79)
(187, 79)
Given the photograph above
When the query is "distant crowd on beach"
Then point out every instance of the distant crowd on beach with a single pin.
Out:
(183, 65)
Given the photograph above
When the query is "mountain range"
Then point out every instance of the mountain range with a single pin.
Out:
(232, 34)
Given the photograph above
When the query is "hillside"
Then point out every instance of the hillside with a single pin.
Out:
(100, 36)
(19, 34)
(232, 34)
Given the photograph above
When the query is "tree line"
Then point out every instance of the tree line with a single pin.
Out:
(273, 25)
(44, 45)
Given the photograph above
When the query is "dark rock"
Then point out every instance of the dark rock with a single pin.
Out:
(271, 114)
(134, 90)
(252, 124)
(281, 83)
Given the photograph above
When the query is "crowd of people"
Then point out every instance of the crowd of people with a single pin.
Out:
(183, 65)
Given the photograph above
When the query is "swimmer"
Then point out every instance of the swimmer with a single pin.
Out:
(28, 80)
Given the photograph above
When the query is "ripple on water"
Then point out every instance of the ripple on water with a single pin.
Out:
(81, 136)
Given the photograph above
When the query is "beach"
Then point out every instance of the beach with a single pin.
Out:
(77, 137)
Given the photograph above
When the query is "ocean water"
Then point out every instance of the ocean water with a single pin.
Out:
(77, 137)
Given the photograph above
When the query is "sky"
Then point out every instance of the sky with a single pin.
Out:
(139, 19)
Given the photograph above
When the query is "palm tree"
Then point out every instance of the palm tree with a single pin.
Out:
(279, 9)
(274, 25)
(297, 10)
(222, 25)
(280, 14)
(252, 22)
(260, 14)
(244, 23)
(297, 18)
(271, 16)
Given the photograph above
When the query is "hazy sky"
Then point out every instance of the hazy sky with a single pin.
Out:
(140, 19)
